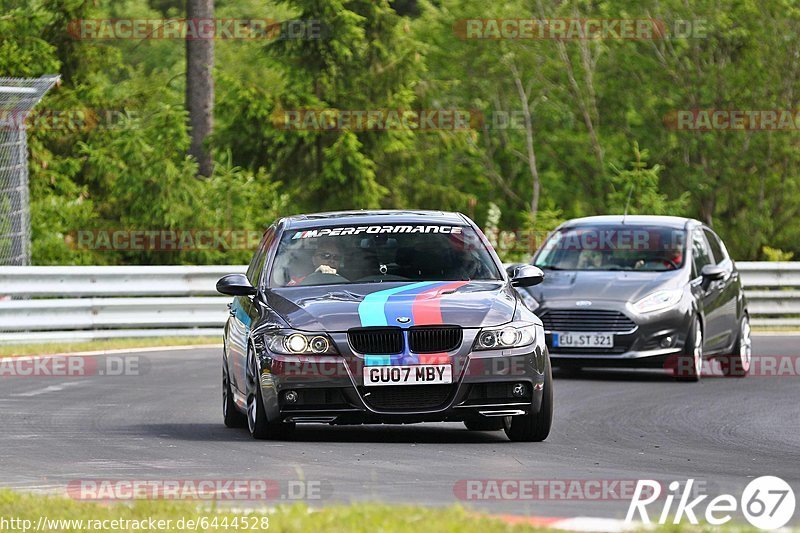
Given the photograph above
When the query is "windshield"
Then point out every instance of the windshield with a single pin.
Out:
(641, 248)
(370, 254)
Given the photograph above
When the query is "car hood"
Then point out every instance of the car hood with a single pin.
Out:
(620, 286)
(341, 307)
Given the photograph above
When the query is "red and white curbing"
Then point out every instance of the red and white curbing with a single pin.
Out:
(579, 523)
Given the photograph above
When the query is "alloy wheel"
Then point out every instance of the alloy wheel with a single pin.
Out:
(224, 389)
(252, 400)
(745, 345)
(698, 349)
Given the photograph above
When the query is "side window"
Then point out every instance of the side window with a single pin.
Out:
(700, 253)
(260, 257)
(716, 246)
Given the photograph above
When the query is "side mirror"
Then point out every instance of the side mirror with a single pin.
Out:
(527, 276)
(235, 285)
(511, 269)
(712, 273)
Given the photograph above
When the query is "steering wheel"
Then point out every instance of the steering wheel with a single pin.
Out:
(321, 278)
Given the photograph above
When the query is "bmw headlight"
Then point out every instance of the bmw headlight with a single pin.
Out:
(513, 335)
(296, 343)
(658, 301)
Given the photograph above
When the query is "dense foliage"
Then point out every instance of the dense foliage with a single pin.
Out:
(569, 127)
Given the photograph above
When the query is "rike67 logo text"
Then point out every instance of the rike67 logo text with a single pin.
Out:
(767, 502)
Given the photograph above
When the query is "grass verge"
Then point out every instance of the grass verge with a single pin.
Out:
(104, 344)
(55, 513)
(352, 518)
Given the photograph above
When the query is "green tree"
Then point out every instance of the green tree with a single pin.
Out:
(361, 62)
(637, 190)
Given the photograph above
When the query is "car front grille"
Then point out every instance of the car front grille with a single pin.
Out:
(587, 351)
(594, 320)
(406, 397)
(388, 341)
(432, 340)
(385, 341)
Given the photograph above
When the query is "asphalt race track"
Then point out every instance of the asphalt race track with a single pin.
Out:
(165, 423)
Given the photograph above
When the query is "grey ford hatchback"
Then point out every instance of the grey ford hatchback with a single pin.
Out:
(641, 291)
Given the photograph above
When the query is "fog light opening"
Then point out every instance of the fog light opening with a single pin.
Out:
(290, 396)
(667, 341)
(519, 390)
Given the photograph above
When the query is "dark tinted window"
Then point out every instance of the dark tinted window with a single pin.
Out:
(700, 253)
(257, 264)
(613, 247)
(716, 246)
(371, 254)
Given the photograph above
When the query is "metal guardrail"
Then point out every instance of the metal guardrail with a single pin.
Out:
(772, 295)
(83, 303)
(102, 281)
(98, 302)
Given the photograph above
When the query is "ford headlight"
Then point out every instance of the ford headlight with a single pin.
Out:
(658, 301)
(513, 335)
(296, 343)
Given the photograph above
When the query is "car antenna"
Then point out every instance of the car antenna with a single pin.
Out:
(627, 203)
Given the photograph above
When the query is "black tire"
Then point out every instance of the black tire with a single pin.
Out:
(534, 427)
(690, 363)
(738, 365)
(230, 412)
(258, 424)
(485, 424)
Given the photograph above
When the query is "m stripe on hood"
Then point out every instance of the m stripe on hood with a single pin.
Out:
(419, 302)
(372, 310)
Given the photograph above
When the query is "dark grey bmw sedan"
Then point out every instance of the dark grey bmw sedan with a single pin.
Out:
(641, 291)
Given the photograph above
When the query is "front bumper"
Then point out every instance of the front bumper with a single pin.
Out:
(330, 389)
(650, 341)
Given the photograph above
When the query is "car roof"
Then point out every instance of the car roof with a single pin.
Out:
(376, 216)
(632, 220)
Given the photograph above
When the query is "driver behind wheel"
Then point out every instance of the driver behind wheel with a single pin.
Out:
(673, 259)
(670, 259)
(326, 260)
